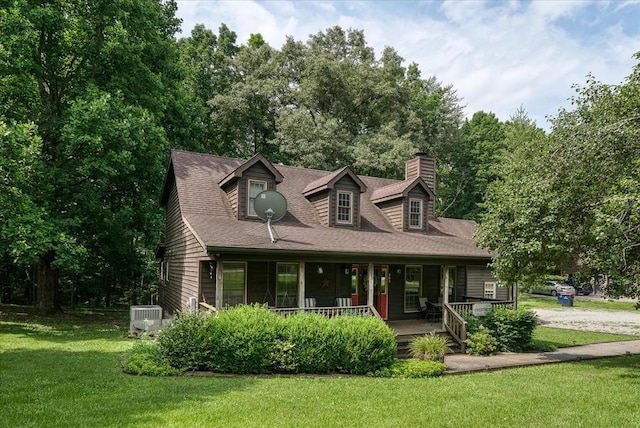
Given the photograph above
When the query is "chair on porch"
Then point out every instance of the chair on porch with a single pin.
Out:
(310, 302)
(430, 310)
(342, 302)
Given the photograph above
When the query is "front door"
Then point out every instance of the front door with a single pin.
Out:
(360, 286)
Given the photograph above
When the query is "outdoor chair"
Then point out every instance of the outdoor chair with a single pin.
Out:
(431, 311)
(343, 301)
(310, 302)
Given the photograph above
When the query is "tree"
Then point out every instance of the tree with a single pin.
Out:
(91, 76)
(471, 166)
(574, 195)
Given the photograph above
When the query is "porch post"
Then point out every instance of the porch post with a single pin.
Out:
(370, 289)
(301, 285)
(445, 285)
(219, 276)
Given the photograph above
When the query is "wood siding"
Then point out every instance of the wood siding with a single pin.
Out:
(416, 193)
(237, 190)
(393, 211)
(320, 202)
(425, 167)
(477, 276)
(183, 254)
(346, 184)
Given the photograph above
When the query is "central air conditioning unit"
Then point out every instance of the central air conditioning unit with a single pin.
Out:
(146, 318)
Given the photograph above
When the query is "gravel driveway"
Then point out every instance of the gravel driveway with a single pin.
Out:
(590, 320)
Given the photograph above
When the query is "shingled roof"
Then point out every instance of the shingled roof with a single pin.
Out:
(206, 209)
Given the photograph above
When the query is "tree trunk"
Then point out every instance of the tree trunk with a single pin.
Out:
(47, 291)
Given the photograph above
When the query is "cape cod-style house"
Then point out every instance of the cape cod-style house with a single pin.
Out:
(346, 241)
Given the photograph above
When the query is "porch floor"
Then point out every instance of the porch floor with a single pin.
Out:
(414, 327)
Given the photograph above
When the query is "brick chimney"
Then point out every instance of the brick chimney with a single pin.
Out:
(422, 166)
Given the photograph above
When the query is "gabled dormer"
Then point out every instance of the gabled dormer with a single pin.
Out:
(336, 198)
(405, 204)
(244, 183)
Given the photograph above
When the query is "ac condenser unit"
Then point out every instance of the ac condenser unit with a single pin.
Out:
(146, 318)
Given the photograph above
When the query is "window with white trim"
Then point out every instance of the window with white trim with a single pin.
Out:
(412, 288)
(164, 270)
(254, 188)
(344, 207)
(415, 213)
(489, 290)
(234, 284)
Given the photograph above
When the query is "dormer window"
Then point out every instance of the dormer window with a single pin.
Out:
(344, 207)
(254, 188)
(415, 214)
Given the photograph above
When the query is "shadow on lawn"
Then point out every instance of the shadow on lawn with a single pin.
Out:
(46, 387)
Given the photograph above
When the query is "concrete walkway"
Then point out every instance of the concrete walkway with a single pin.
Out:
(464, 363)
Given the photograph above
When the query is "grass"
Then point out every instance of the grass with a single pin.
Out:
(529, 301)
(562, 338)
(66, 372)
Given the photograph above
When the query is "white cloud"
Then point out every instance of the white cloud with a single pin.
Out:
(498, 55)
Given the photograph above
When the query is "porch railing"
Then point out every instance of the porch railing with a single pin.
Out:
(454, 322)
(330, 311)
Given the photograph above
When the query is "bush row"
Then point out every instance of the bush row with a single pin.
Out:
(503, 330)
(253, 339)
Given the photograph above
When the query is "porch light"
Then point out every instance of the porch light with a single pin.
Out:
(320, 270)
(347, 270)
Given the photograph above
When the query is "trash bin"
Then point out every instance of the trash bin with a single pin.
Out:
(566, 299)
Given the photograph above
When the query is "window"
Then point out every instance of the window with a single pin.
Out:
(287, 285)
(164, 270)
(412, 288)
(489, 290)
(255, 187)
(233, 283)
(415, 214)
(344, 207)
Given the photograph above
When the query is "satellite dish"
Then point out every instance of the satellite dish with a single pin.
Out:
(271, 206)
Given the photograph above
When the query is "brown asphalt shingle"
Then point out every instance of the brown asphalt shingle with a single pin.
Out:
(207, 210)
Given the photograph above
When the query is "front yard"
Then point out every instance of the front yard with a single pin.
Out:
(66, 372)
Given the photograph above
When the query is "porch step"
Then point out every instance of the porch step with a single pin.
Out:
(403, 342)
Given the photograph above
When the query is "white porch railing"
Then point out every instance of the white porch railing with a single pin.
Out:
(330, 311)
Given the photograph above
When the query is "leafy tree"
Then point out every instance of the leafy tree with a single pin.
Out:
(471, 166)
(205, 70)
(574, 195)
(92, 77)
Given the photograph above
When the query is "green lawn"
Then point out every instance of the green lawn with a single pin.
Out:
(529, 301)
(66, 372)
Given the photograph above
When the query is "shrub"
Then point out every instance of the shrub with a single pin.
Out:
(146, 358)
(473, 323)
(481, 342)
(313, 349)
(185, 343)
(241, 339)
(361, 344)
(411, 369)
(252, 339)
(513, 329)
(430, 347)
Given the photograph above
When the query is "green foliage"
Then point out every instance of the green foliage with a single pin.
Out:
(252, 339)
(411, 369)
(481, 342)
(363, 344)
(145, 358)
(431, 347)
(574, 194)
(502, 329)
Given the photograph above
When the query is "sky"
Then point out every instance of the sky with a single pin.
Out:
(498, 55)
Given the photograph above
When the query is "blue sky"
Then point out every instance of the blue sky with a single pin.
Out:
(498, 55)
